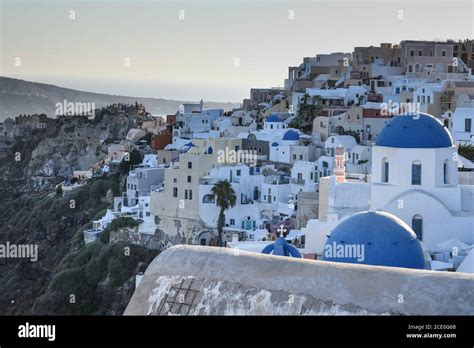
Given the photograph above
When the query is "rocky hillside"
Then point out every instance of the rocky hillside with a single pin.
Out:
(24, 97)
(68, 277)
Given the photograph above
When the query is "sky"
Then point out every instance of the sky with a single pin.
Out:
(211, 49)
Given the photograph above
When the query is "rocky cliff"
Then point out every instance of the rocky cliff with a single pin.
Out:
(68, 277)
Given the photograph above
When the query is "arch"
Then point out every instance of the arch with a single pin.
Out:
(209, 150)
(416, 172)
(385, 170)
(394, 201)
(417, 67)
(340, 130)
(417, 225)
(208, 199)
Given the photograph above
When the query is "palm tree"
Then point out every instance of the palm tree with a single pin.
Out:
(224, 196)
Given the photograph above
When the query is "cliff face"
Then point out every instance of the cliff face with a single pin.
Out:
(67, 277)
(80, 143)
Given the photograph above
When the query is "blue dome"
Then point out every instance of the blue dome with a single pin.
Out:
(275, 144)
(414, 131)
(273, 118)
(374, 238)
(291, 135)
(281, 248)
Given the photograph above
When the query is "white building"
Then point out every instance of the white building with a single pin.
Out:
(140, 181)
(304, 177)
(246, 182)
(347, 142)
(462, 128)
(414, 176)
(359, 160)
(352, 95)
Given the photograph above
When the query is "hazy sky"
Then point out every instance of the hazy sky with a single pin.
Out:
(195, 57)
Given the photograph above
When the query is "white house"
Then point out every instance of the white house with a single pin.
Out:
(304, 177)
(347, 142)
(462, 128)
(246, 182)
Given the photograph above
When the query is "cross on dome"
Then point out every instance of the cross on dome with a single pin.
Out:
(281, 229)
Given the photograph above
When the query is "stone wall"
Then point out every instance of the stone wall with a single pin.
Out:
(195, 280)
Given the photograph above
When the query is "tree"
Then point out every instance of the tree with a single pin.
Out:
(134, 159)
(59, 191)
(466, 150)
(224, 196)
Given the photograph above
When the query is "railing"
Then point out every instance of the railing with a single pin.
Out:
(297, 181)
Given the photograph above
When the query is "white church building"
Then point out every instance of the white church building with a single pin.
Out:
(414, 176)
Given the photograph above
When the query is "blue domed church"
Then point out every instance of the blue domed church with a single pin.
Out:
(415, 180)
(374, 238)
(415, 177)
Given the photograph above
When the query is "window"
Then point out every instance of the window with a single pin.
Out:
(189, 178)
(191, 194)
(443, 53)
(385, 170)
(238, 172)
(185, 194)
(175, 192)
(420, 53)
(256, 194)
(417, 226)
(416, 173)
(232, 222)
(208, 199)
(467, 125)
(301, 157)
(446, 172)
(190, 165)
(412, 53)
(175, 180)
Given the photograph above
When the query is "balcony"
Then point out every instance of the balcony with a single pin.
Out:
(276, 181)
(297, 181)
